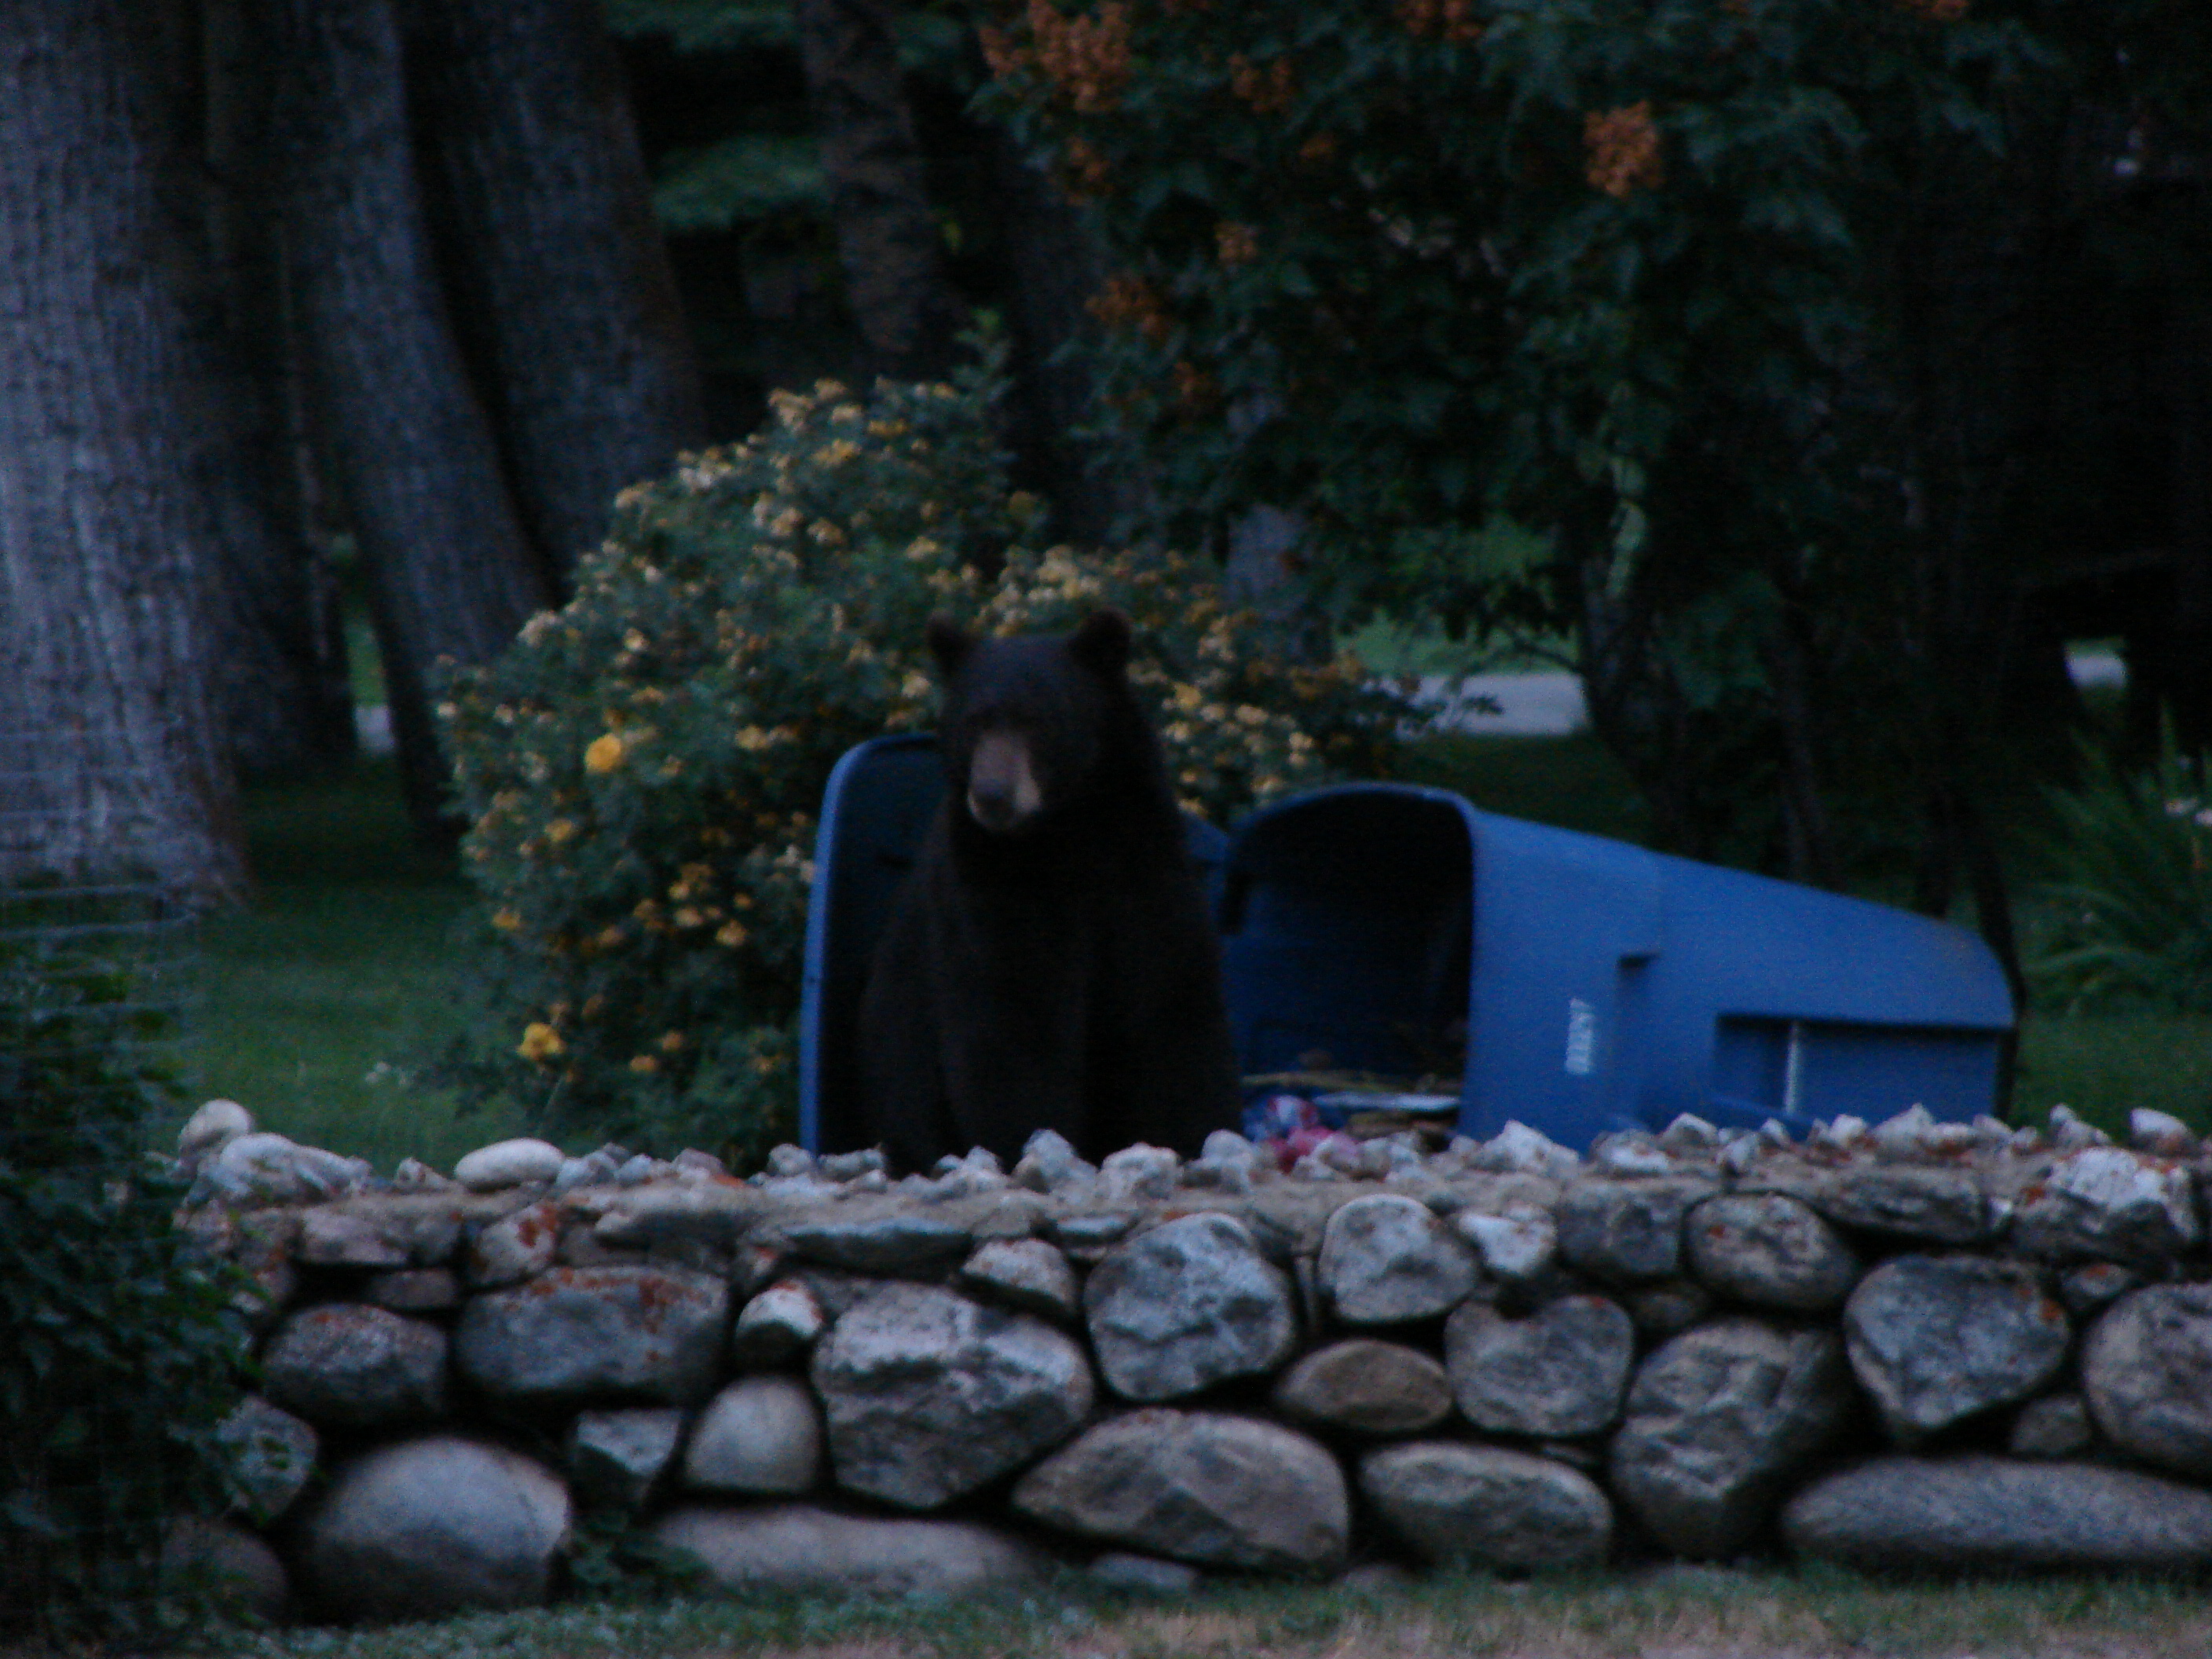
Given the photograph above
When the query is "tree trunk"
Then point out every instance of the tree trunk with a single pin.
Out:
(279, 638)
(113, 756)
(406, 443)
(887, 240)
(561, 284)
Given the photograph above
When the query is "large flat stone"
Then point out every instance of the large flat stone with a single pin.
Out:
(575, 1333)
(1200, 1486)
(797, 1547)
(1367, 1386)
(1482, 1506)
(349, 1364)
(1770, 1250)
(1996, 1515)
(1625, 1231)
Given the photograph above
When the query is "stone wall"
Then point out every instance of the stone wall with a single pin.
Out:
(1917, 1345)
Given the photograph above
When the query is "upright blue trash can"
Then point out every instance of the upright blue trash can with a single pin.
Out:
(875, 811)
(1586, 985)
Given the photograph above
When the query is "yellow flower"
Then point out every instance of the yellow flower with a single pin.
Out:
(689, 917)
(611, 936)
(671, 1043)
(644, 1064)
(540, 1042)
(731, 934)
(561, 831)
(922, 548)
(915, 685)
(838, 454)
(605, 754)
(753, 738)
(508, 921)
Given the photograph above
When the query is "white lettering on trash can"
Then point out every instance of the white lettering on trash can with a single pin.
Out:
(1582, 1037)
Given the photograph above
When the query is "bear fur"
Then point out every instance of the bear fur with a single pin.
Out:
(1052, 962)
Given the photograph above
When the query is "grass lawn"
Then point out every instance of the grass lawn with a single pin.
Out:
(1669, 1614)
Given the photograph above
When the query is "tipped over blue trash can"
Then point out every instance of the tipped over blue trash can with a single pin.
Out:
(1582, 985)
(1577, 984)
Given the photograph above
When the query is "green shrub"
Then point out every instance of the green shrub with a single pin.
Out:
(643, 767)
(117, 1339)
(2130, 919)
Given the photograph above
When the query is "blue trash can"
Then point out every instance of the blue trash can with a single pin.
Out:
(875, 812)
(1586, 985)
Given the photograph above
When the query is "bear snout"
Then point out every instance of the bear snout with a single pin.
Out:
(1003, 793)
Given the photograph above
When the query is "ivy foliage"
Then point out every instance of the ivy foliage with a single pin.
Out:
(118, 1340)
(642, 769)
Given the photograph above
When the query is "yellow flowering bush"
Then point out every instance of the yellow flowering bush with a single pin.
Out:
(643, 767)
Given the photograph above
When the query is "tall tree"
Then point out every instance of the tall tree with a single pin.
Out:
(560, 282)
(404, 438)
(279, 642)
(106, 711)
(887, 237)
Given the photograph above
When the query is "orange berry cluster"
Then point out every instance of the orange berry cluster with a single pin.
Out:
(1086, 58)
(1127, 301)
(1449, 21)
(1268, 91)
(1623, 145)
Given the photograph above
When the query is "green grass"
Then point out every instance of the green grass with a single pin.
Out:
(338, 982)
(1683, 1613)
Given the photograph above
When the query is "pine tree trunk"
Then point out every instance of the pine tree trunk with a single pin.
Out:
(562, 285)
(887, 240)
(279, 639)
(111, 754)
(406, 445)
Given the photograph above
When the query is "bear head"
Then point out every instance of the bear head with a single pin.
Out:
(1032, 724)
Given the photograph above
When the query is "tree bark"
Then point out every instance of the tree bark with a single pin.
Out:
(113, 757)
(561, 284)
(887, 240)
(279, 637)
(406, 444)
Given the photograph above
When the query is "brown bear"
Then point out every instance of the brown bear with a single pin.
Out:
(1052, 962)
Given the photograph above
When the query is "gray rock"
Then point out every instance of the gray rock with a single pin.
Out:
(2160, 1133)
(1996, 1515)
(2147, 1370)
(1718, 1421)
(587, 1333)
(615, 1458)
(1624, 1230)
(1088, 1235)
(244, 1576)
(414, 1290)
(930, 1396)
(432, 1527)
(1936, 1339)
(268, 1168)
(1386, 1259)
(1049, 1164)
(1200, 1486)
(795, 1546)
(1481, 1506)
(508, 1164)
(1560, 1370)
(209, 1129)
(760, 1435)
(1771, 1251)
(2057, 1425)
(782, 1321)
(331, 1237)
(1027, 1273)
(894, 1245)
(2093, 1286)
(1673, 1305)
(1188, 1305)
(1138, 1175)
(1941, 1205)
(1368, 1387)
(2106, 1202)
(268, 1456)
(426, 1225)
(1516, 1149)
(346, 1364)
(1147, 1575)
(515, 1248)
(1517, 1247)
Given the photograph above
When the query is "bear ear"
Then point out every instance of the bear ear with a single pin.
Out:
(949, 642)
(1101, 643)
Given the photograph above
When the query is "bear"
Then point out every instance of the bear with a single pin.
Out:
(1051, 961)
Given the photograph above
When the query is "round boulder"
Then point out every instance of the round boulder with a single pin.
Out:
(1386, 1259)
(1188, 1305)
(1368, 1387)
(1557, 1372)
(1771, 1251)
(760, 1434)
(1462, 1505)
(1936, 1339)
(349, 1364)
(2147, 1370)
(427, 1528)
